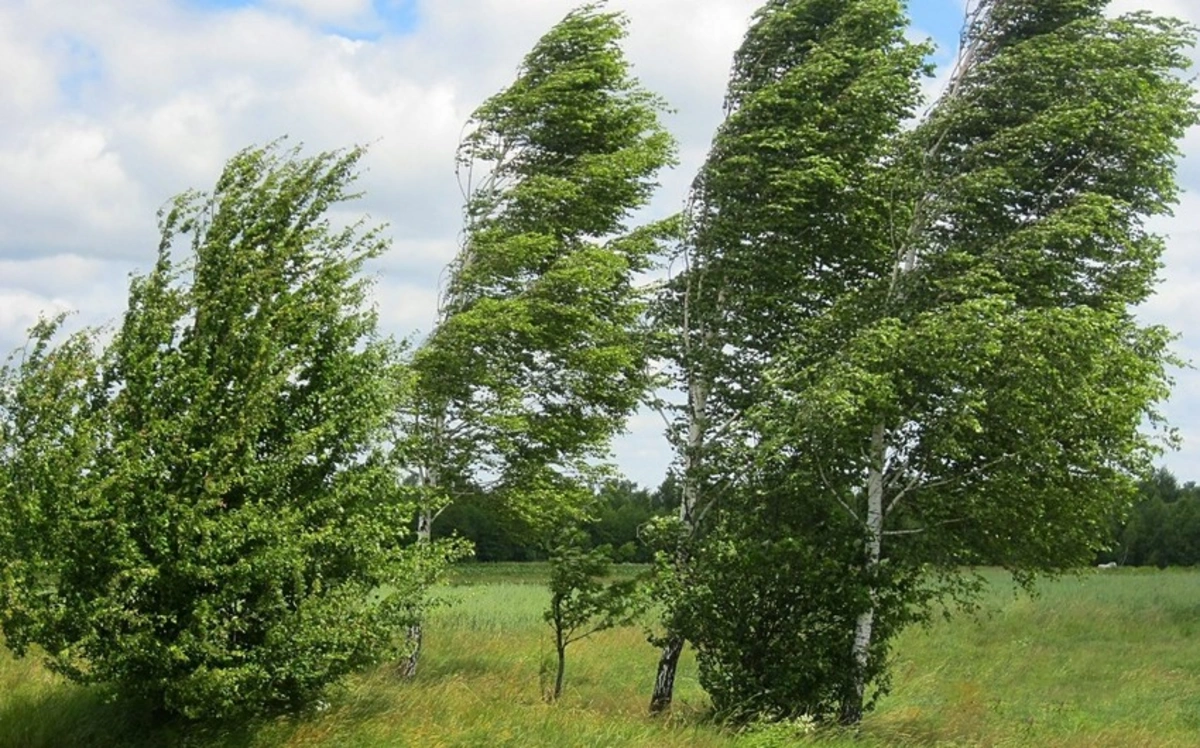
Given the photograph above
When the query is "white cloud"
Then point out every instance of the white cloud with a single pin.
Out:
(27, 79)
(328, 11)
(1183, 9)
(62, 185)
(406, 306)
(19, 309)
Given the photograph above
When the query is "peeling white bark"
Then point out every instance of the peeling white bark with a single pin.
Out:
(426, 514)
(852, 708)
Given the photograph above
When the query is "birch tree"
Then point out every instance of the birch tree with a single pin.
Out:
(539, 353)
(977, 393)
(786, 193)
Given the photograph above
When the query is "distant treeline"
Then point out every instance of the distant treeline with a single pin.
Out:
(619, 509)
(1163, 529)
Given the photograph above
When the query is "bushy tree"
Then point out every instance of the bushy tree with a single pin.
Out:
(771, 626)
(213, 518)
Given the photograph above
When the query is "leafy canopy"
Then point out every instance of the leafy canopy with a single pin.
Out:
(539, 355)
(923, 335)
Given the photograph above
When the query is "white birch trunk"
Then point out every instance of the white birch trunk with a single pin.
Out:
(698, 404)
(852, 706)
(425, 517)
(424, 535)
(424, 525)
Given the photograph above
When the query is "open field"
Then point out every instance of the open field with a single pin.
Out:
(1104, 659)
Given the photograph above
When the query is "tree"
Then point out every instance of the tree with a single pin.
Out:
(539, 353)
(817, 91)
(581, 602)
(217, 513)
(494, 533)
(976, 389)
(616, 517)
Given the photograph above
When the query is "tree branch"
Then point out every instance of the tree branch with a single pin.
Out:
(828, 485)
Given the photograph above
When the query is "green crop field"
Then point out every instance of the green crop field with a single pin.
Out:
(1101, 659)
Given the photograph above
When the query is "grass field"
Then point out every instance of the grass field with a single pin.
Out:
(1103, 659)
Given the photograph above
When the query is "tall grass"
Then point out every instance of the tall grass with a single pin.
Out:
(1103, 659)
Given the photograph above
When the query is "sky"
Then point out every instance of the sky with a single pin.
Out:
(108, 108)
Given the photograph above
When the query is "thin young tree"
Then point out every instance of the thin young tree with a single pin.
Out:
(539, 353)
(582, 603)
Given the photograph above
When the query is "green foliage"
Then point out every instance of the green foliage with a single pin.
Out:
(581, 602)
(1004, 417)
(215, 516)
(539, 355)
(922, 339)
(614, 518)
(793, 185)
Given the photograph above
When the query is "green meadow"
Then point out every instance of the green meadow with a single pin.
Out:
(1094, 660)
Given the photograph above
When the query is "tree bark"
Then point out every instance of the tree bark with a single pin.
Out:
(668, 661)
(562, 669)
(415, 633)
(664, 681)
(852, 704)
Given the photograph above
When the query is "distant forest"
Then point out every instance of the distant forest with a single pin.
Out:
(619, 509)
(1162, 529)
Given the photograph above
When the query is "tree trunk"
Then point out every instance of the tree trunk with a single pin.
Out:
(424, 535)
(852, 704)
(668, 661)
(664, 682)
(562, 669)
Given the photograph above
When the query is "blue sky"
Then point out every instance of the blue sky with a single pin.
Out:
(383, 17)
(941, 19)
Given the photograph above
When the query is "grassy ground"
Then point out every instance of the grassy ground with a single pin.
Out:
(1105, 659)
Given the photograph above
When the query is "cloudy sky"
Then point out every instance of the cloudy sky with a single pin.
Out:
(110, 107)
